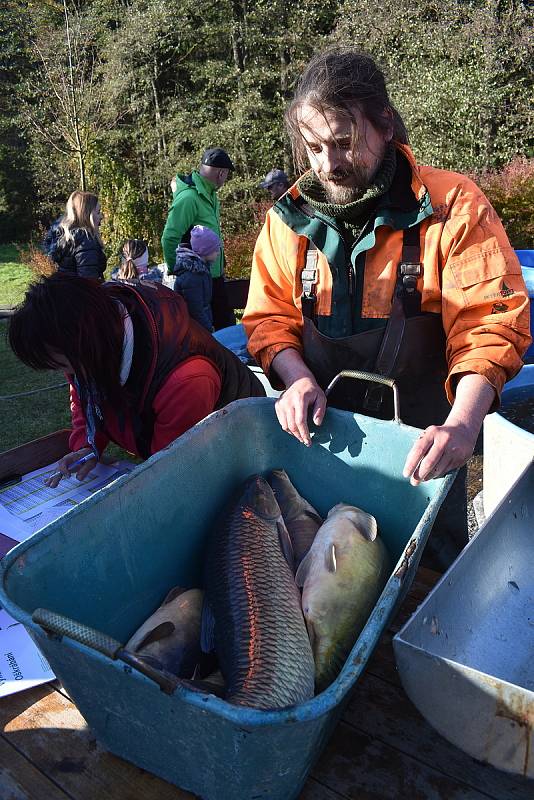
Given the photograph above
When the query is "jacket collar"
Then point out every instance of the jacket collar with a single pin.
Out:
(203, 186)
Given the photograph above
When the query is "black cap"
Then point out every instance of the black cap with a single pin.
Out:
(217, 157)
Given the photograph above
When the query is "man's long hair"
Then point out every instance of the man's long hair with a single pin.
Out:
(75, 318)
(341, 79)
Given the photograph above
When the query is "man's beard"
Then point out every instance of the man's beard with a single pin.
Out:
(341, 194)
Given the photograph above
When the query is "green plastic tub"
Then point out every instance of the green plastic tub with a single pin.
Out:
(109, 562)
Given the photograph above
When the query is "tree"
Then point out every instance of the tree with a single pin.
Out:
(64, 98)
(16, 178)
(459, 71)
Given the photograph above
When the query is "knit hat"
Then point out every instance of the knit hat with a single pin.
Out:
(204, 241)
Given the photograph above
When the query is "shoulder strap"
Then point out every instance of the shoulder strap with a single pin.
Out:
(309, 282)
(406, 303)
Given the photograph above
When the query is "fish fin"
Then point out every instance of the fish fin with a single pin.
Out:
(330, 560)
(285, 543)
(207, 629)
(366, 524)
(175, 592)
(302, 571)
(161, 631)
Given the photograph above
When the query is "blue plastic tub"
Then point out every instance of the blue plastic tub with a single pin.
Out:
(109, 562)
(526, 259)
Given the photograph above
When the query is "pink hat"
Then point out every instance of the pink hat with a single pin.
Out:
(204, 241)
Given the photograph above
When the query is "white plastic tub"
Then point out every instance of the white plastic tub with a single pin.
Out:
(507, 448)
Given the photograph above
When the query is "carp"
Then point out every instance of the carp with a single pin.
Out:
(252, 611)
(342, 578)
(170, 638)
(301, 519)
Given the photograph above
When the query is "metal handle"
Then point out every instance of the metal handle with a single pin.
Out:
(58, 625)
(369, 376)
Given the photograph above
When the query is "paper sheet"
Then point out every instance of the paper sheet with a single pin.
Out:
(22, 665)
(29, 505)
(30, 496)
(25, 507)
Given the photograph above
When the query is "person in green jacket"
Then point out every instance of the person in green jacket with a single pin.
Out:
(195, 202)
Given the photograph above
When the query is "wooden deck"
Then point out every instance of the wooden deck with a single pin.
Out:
(382, 749)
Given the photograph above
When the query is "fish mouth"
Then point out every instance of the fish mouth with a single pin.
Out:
(258, 496)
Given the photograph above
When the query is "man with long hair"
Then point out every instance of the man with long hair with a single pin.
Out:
(372, 262)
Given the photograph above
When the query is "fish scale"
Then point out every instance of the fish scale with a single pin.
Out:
(260, 634)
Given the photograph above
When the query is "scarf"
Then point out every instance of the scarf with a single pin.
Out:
(352, 216)
(89, 394)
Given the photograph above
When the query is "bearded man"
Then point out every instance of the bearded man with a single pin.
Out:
(372, 262)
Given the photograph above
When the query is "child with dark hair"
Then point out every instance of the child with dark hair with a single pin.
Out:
(192, 273)
(141, 371)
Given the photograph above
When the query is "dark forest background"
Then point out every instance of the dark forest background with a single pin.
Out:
(116, 96)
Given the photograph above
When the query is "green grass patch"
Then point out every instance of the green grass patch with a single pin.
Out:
(32, 416)
(14, 276)
(28, 417)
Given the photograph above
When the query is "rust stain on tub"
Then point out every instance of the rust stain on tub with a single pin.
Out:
(402, 570)
(515, 707)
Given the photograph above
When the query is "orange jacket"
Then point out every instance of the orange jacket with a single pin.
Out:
(471, 276)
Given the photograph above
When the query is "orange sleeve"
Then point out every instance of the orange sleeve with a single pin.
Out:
(485, 304)
(273, 317)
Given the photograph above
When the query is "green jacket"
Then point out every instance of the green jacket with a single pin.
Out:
(194, 202)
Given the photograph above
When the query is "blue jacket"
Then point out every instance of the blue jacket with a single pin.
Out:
(192, 279)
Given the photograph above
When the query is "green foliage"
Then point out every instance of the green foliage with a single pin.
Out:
(16, 180)
(460, 73)
(157, 82)
(127, 215)
(511, 192)
(239, 247)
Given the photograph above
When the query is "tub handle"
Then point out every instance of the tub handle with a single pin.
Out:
(369, 376)
(57, 625)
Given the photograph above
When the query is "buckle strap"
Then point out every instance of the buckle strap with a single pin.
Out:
(309, 277)
(406, 303)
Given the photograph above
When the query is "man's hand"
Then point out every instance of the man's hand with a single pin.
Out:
(303, 394)
(439, 449)
(63, 466)
(442, 448)
(293, 405)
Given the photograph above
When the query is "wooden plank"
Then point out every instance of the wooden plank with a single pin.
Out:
(382, 663)
(51, 733)
(45, 726)
(19, 780)
(360, 768)
(384, 712)
(313, 790)
(35, 454)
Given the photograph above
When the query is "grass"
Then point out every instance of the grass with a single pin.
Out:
(29, 417)
(14, 276)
